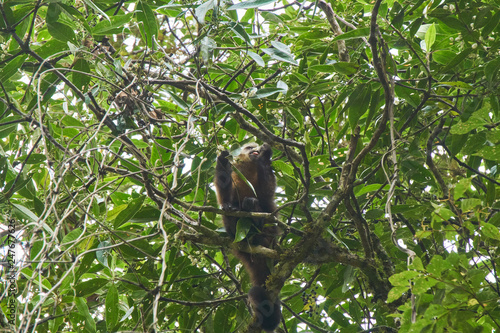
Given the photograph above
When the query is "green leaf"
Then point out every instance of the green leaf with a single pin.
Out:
(490, 231)
(129, 212)
(374, 214)
(70, 121)
(441, 213)
(266, 92)
(243, 226)
(33, 158)
(470, 204)
(257, 58)
(280, 52)
(35, 251)
(457, 143)
(422, 284)
(97, 9)
(222, 320)
(399, 17)
(201, 11)
(102, 255)
(281, 46)
(81, 80)
(321, 88)
(283, 167)
(409, 95)
(5, 130)
(112, 308)
(178, 101)
(146, 214)
(454, 23)
(370, 188)
(443, 57)
(129, 312)
(207, 48)
(146, 15)
(417, 264)
(140, 144)
(240, 31)
(85, 263)
(491, 69)
(251, 4)
(299, 118)
(340, 319)
(491, 153)
(12, 67)
(471, 124)
(430, 37)
(349, 277)
(346, 68)
(301, 78)
(359, 102)
(495, 220)
(115, 24)
(438, 265)
(89, 287)
(83, 309)
(71, 237)
(73, 14)
(25, 213)
(374, 107)
(452, 65)
(458, 84)
(491, 25)
(396, 292)
(356, 33)
(61, 31)
(271, 17)
(54, 325)
(323, 68)
(490, 193)
(53, 12)
(403, 278)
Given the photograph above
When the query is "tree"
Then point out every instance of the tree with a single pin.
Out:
(383, 117)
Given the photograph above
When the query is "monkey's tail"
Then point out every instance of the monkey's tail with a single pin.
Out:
(268, 312)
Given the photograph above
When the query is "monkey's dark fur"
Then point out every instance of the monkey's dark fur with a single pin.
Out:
(233, 193)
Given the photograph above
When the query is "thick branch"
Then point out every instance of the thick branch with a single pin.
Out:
(330, 15)
(213, 238)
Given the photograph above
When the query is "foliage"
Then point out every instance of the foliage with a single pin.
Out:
(383, 117)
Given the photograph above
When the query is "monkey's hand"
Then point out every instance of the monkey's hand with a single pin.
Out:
(266, 152)
(250, 204)
(227, 207)
(222, 158)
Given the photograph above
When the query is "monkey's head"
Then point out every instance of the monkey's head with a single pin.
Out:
(253, 152)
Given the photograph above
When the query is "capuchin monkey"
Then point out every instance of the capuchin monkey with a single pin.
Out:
(233, 193)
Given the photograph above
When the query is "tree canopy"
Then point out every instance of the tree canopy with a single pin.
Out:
(384, 121)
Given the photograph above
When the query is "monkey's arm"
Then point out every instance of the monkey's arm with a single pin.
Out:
(223, 181)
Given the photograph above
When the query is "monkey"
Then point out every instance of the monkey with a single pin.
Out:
(233, 193)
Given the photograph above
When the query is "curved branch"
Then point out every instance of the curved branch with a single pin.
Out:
(331, 17)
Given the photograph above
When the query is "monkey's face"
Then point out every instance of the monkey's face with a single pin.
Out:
(254, 152)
